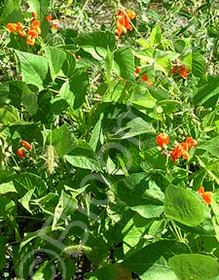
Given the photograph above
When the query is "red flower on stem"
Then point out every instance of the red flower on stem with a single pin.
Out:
(26, 144)
(163, 139)
(20, 153)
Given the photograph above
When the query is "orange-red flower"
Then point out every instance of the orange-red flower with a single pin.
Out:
(21, 34)
(174, 69)
(206, 196)
(18, 26)
(12, 27)
(181, 149)
(138, 70)
(49, 18)
(183, 71)
(26, 144)
(33, 33)
(30, 41)
(163, 139)
(144, 77)
(191, 142)
(35, 23)
(123, 21)
(20, 153)
(34, 15)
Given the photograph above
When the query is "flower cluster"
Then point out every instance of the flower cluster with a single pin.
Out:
(162, 139)
(144, 76)
(32, 32)
(180, 70)
(21, 152)
(206, 196)
(180, 150)
(54, 24)
(123, 21)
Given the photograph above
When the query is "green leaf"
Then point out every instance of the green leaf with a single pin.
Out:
(143, 259)
(148, 210)
(84, 157)
(182, 206)
(134, 127)
(25, 200)
(65, 206)
(96, 43)
(99, 251)
(25, 182)
(39, 7)
(47, 203)
(159, 270)
(96, 133)
(124, 63)
(12, 12)
(7, 188)
(211, 146)
(78, 85)
(69, 65)
(194, 266)
(34, 68)
(155, 36)
(67, 95)
(29, 100)
(56, 58)
(108, 272)
(45, 271)
(62, 139)
(208, 94)
(9, 115)
(198, 64)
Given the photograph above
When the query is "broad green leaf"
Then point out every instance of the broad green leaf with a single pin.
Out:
(62, 139)
(208, 94)
(7, 206)
(211, 146)
(134, 127)
(67, 268)
(198, 64)
(99, 251)
(182, 206)
(12, 12)
(153, 159)
(78, 85)
(96, 43)
(45, 271)
(155, 36)
(195, 266)
(47, 203)
(107, 273)
(141, 261)
(29, 100)
(39, 7)
(7, 188)
(66, 205)
(34, 68)
(56, 57)
(124, 63)
(67, 94)
(148, 210)
(68, 66)
(25, 182)
(84, 157)
(159, 270)
(169, 106)
(9, 115)
(25, 200)
(138, 190)
(96, 133)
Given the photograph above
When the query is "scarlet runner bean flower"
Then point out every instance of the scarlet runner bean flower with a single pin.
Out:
(20, 153)
(138, 70)
(206, 196)
(181, 70)
(163, 139)
(26, 144)
(181, 149)
(123, 21)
